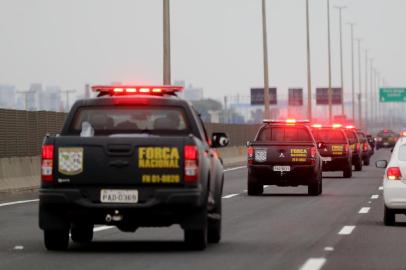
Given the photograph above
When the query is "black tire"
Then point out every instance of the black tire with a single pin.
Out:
(367, 161)
(214, 223)
(358, 165)
(56, 240)
(315, 188)
(196, 239)
(82, 234)
(347, 173)
(389, 218)
(254, 189)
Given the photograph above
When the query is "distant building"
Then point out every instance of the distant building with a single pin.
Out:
(192, 93)
(33, 96)
(7, 97)
(50, 99)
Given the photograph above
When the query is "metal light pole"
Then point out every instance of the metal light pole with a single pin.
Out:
(67, 92)
(330, 91)
(371, 86)
(266, 71)
(340, 9)
(166, 44)
(366, 89)
(352, 71)
(360, 119)
(309, 77)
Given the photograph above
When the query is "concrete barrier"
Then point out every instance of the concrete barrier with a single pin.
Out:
(23, 173)
(19, 173)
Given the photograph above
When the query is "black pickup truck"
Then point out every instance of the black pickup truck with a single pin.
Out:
(133, 157)
(284, 154)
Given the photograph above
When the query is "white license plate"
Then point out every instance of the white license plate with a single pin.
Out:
(281, 168)
(118, 196)
(326, 159)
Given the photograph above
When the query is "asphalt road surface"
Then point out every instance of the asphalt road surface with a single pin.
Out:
(284, 229)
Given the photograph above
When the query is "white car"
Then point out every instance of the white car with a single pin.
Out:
(394, 183)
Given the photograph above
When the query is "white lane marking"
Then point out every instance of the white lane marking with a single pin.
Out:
(234, 169)
(374, 197)
(313, 264)
(245, 190)
(18, 247)
(381, 188)
(346, 230)
(329, 249)
(102, 228)
(364, 210)
(369, 202)
(18, 202)
(230, 196)
(266, 186)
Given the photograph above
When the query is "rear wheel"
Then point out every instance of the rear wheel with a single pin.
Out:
(254, 189)
(347, 173)
(367, 161)
(82, 233)
(56, 240)
(196, 239)
(214, 223)
(315, 188)
(389, 217)
(358, 165)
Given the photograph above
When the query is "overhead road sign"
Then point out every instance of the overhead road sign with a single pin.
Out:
(295, 97)
(392, 94)
(322, 96)
(257, 96)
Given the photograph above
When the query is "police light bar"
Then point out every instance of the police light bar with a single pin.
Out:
(121, 90)
(287, 121)
(317, 125)
(337, 126)
(350, 127)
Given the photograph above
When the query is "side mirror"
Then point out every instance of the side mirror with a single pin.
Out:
(381, 164)
(321, 145)
(219, 139)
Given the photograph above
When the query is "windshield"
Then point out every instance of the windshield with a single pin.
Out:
(285, 134)
(329, 135)
(109, 120)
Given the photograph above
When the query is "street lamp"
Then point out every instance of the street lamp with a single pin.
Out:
(352, 71)
(166, 44)
(330, 91)
(266, 71)
(340, 9)
(366, 88)
(360, 120)
(309, 77)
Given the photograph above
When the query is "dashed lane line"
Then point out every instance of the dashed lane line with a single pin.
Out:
(346, 230)
(313, 264)
(364, 210)
(329, 249)
(381, 188)
(230, 196)
(374, 197)
(234, 169)
(102, 228)
(18, 202)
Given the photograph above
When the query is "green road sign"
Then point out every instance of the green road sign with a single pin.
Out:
(392, 94)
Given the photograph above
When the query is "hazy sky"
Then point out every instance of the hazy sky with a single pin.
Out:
(216, 44)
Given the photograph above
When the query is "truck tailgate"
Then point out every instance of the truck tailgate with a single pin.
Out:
(283, 153)
(115, 161)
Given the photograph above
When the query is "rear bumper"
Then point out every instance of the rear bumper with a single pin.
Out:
(336, 164)
(60, 207)
(394, 194)
(299, 175)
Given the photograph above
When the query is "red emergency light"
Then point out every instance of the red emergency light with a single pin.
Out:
(350, 127)
(317, 125)
(337, 126)
(289, 121)
(121, 90)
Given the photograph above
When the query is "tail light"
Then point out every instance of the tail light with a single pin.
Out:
(346, 148)
(47, 163)
(191, 163)
(365, 146)
(313, 152)
(393, 173)
(250, 153)
(358, 147)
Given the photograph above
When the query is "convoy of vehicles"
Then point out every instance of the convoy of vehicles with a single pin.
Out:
(386, 139)
(138, 156)
(135, 156)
